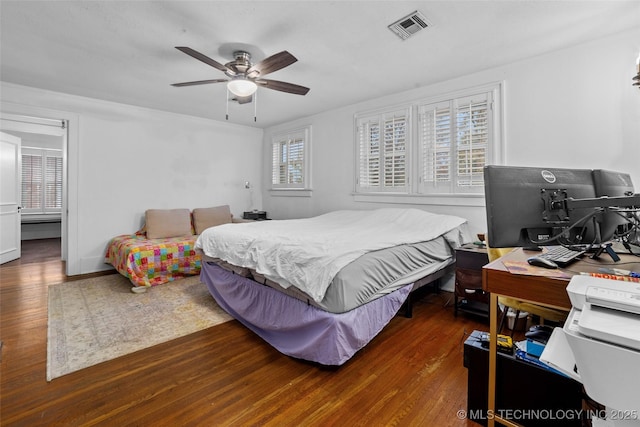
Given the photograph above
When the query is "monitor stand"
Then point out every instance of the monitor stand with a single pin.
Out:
(605, 247)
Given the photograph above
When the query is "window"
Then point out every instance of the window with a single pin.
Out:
(455, 135)
(383, 146)
(454, 140)
(290, 160)
(41, 181)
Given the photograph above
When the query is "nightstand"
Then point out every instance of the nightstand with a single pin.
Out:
(255, 215)
(469, 296)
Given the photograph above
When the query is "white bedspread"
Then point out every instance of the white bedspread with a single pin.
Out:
(308, 253)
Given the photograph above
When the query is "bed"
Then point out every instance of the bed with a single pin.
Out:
(321, 288)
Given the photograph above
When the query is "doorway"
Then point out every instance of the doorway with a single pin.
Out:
(42, 195)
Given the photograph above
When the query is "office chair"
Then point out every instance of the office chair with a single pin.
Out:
(544, 313)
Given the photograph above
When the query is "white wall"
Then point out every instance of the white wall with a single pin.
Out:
(130, 159)
(571, 108)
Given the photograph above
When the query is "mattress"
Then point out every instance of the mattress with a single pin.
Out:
(368, 253)
(368, 277)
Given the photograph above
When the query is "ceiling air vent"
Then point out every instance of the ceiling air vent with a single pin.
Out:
(409, 25)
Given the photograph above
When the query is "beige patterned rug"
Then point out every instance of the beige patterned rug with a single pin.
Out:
(99, 319)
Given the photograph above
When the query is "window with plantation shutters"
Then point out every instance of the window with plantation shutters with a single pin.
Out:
(41, 181)
(429, 149)
(290, 159)
(454, 142)
(383, 151)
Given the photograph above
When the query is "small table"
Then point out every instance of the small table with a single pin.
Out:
(469, 295)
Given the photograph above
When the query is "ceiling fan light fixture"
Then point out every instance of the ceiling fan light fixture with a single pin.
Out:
(240, 86)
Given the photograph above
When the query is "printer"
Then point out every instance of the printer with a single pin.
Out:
(599, 344)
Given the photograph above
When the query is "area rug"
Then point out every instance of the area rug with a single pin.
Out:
(99, 319)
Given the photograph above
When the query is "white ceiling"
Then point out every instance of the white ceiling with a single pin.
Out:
(123, 51)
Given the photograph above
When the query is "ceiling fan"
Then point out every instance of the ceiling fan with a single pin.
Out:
(244, 76)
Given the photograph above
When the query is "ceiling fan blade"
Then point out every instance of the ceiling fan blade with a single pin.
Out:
(201, 57)
(283, 86)
(272, 63)
(199, 82)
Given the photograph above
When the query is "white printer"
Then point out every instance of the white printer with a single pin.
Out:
(599, 344)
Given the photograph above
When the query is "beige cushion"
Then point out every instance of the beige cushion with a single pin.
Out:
(204, 218)
(162, 223)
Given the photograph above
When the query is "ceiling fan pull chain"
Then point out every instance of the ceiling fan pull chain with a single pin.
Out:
(227, 103)
(255, 106)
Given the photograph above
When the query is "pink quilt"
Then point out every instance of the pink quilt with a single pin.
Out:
(150, 262)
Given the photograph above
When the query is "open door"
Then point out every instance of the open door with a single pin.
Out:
(10, 196)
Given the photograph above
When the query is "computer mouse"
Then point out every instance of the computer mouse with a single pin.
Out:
(541, 262)
(539, 335)
(536, 328)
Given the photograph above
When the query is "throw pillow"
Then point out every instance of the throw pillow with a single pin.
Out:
(204, 218)
(161, 223)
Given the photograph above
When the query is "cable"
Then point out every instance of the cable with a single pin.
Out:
(576, 224)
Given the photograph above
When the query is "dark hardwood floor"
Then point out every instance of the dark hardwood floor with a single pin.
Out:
(411, 374)
(39, 250)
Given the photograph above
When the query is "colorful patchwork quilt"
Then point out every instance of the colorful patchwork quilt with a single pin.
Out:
(150, 262)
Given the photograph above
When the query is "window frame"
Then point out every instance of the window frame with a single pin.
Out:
(417, 192)
(292, 189)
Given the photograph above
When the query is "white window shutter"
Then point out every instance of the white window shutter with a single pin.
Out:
(295, 166)
(472, 135)
(435, 136)
(383, 152)
(31, 182)
(369, 153)
(395, 151)
(290, 160)
(53, 183)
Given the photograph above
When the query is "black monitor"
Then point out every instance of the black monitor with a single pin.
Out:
(612, 184)
(525, 206)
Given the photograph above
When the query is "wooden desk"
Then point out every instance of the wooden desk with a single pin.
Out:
(540, 290)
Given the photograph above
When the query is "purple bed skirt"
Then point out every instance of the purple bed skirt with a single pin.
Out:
(296, 328)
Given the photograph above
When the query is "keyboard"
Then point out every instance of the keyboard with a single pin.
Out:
(561, 255)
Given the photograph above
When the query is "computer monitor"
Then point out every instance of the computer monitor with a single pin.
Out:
(612, 184)
(524, 206)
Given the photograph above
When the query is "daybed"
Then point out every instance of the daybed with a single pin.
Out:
(321, 288)
(163, 250)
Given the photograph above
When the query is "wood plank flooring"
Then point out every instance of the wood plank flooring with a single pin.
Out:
(38, 250)
(411, 374)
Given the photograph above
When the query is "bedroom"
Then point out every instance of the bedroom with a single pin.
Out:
(591, 73)
(580, 92)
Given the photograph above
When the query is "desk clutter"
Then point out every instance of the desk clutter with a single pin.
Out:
(598, 347)
(520, 386)
(527, 350)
